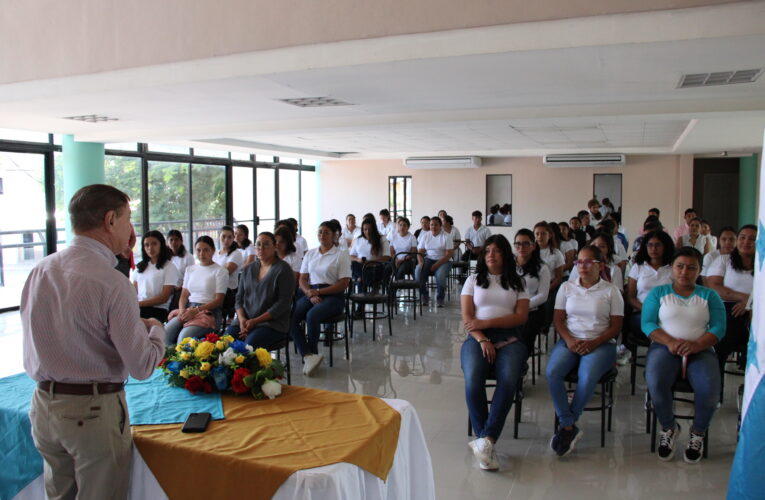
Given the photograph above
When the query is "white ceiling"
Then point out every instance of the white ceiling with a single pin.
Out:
(578, 96)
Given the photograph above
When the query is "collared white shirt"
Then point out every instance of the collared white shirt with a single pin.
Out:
(435, 246)
(617, 278)
(386, 230)
(362, 248)
(151, 281)
(553, 259)
(237, 257)
(347, 234)
(538, 288)
(648, 278)
(589, 310)
(295, 261)
(403, 243)
(710, 259)
(301, 244)
(738, 281)
(478, 236)
(181, 263)
(326, 268)
(203, 282)
(81, 322)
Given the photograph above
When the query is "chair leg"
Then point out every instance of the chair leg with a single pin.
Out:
(633, 368)
(518, 411)
(470, 428)
(610, 403)
(330, 336)
(289, 366)
(653, 429)
(533, 364)
(603, 415)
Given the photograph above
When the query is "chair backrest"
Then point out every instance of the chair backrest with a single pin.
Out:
(405, 258)
(374, 276)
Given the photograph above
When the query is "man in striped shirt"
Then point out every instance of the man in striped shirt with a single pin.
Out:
(82, 337)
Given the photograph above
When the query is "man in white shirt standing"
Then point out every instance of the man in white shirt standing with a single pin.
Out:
(435, 249)
(82, 337)
(475, 237)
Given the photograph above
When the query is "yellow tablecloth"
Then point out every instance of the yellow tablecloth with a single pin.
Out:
(261, 443)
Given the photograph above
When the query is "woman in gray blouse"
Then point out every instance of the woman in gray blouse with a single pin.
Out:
(264, 298)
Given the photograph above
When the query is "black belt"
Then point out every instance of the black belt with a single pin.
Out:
(81, 389)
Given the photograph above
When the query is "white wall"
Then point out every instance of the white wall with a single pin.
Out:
(539, 192)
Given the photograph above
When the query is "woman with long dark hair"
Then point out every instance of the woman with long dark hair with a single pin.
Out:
(230, 258)
(155, 277)
(612, 272)
(733, 279)
(204, 287)
(494, 308)
(536, 280)
(652, 268)
(727, 241)
(588, 317)
(286, 250)
(369, 245)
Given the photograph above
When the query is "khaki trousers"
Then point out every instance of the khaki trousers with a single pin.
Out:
(85, 442)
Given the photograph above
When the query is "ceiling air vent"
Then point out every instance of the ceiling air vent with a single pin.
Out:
(91, 118)
(584, 160)
(719, 78)
(315, 102)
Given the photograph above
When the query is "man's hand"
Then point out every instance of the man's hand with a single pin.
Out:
(150, 322)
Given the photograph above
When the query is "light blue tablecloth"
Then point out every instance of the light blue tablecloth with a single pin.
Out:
(150, 401)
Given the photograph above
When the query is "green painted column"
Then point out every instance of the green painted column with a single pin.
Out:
(747, 191)
(83, 166)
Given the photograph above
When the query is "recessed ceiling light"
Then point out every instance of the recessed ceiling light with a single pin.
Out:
(315, 102)
(91, 118)
(719, 78)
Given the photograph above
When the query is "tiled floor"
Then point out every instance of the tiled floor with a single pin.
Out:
(420, 363)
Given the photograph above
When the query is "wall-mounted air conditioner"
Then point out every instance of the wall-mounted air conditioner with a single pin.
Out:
(585, 160)
(435, 162)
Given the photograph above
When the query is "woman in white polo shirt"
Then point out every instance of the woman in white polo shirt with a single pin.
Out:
(403, 241)
(683, 321)
(230, 258)
(351, 230)
(727, 241)
(155, 277)
(324, 277)
(181, 259)
(733, 279)
(588, 317)
(435, 248)
(652, 268)
(555, 262)
(204, 287)
(536, 278)
(286, 251)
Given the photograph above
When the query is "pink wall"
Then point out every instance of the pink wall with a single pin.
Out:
(539, 192)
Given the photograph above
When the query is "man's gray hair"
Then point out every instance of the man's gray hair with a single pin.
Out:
(90, 203)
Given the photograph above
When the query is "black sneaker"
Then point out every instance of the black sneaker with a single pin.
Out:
(555, 441)
(695, 448)
(568, 440)
(667, 443)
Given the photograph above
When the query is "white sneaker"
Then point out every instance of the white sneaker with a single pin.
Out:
(311, 362)
(483, 449)
(492, 464)
(623, 355)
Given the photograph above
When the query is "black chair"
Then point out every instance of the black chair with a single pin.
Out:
(460, 269)
(491, 381)
(372, 292)
(681, 386)
(606, 399)
(633, 342)
(331, 333)
(408, 284)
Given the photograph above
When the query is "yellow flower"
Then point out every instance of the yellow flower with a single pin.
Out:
(193, 342)
(184, 373)
(186, 340)
(228, 338)
(185, 356)
(205, 367)
(220, 345)
(239, 359)
(179, 348)
(264, 358)
(204, 350)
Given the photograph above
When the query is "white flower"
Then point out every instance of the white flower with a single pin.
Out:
(271, 388)
(227, 358)
(249, 348)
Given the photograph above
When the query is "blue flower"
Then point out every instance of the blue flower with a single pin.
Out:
(220, 376)
(175, 366)
(239, 346)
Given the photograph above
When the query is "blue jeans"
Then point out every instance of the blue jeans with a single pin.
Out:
(662, 368)
(442, 273)
(175, 331)
(592, 366)
(330, 305)
(507, 368)
(260, 336)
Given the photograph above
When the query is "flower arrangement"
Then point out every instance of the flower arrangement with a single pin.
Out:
(221, 363)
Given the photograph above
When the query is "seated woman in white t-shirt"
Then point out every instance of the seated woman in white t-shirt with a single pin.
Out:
(230, 258)
(494, 308)
(436, 249)
(588, 317)
(242, 238)
(154, 277)
(555, 262)
(204, 287)
(733, 280)
(286, 251)
(370, 245)
(450, 229)
(181, 259)
(403, 241)
(324, 277)
(694, 238)
(351, 230)
(536, 278)
(727, 241)
(652, 268)
(424, 227)
(612, 272)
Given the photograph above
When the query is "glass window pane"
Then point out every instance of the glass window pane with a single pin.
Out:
(124, 173)
(265, 158)
(309, 220)
(286, 159)
(23, 135)
(266, 199)
(169, 198)
(289, 194)
(122, 146)
(210, 153)
(22, 238)
(166, 148)
(208, 199)
(236, 155)
(61, 204)
(243, 193)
